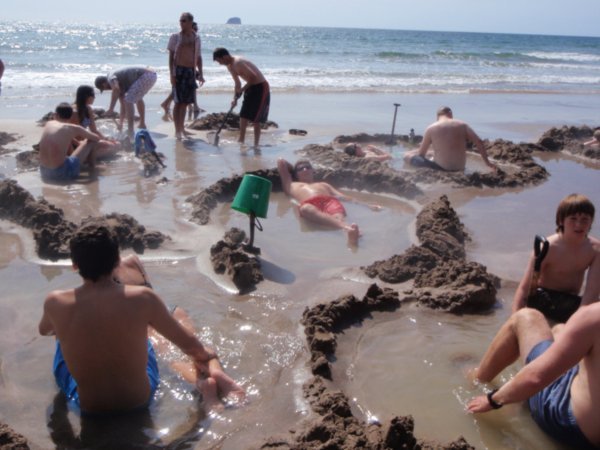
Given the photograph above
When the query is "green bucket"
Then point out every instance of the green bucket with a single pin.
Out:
(253, 196)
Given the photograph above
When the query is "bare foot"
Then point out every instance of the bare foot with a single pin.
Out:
(353, 234)
(210, 397)
(142, 126)
(179, 136)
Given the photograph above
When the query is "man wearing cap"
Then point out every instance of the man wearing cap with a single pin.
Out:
(128, 85)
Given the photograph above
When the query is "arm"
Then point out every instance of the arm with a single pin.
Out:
(200, 73)
(237, 90)
(571, 346)
(115, 95)
(165, 324)
(1, 69)
(172, 67)
(93, 127)
(522, 292)
(283, 167)
(472, 136)
(592, 281)
(425, 143)
(80, 132)
(46, 328)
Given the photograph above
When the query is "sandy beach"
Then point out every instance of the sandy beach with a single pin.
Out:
(408, 361)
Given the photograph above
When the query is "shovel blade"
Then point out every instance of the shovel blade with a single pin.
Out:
(216, 141)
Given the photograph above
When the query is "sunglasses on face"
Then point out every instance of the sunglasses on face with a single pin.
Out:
(302, 168)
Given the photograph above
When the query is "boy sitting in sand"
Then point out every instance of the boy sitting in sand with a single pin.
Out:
(58, 160)
(318, 200)
(104, 361)
(571, 252)
(367, 152)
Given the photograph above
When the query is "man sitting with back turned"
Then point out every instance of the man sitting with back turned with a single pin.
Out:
(58, 160)
(449, 138)
(561, 376)
(104, 362)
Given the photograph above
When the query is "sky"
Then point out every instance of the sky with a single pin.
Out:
(556, 17)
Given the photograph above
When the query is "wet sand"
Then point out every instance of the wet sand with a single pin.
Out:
(408, 361)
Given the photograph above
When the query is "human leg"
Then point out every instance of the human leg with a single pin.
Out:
(313, 214)
(243, 126)
(257, 130)
(166, 104)
(106, 149)
(86, 152)
(141, 106)
(517, 337)
(179, 118)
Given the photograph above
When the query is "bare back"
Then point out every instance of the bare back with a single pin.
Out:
(56, 142)
(103, 331)
(449, 139)
(246, 70)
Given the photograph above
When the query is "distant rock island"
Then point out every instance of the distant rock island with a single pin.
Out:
(234, 21)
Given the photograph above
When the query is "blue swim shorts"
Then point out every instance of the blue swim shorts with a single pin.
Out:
(68, 385)
(68, 171)
(551, 407)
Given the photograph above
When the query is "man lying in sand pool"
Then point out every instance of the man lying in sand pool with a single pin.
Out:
(449, 138)
(104, 361)
(571, 252)
(318, 200)
(595, 142)
(367, 152)
(58, 160)
(560, 378)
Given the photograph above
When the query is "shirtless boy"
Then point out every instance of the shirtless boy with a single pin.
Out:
(58, 160)
(561, 376)
(367, 152)
(449, 138)
(104, 362)
(257, 96)
(185, 67)
(571, 252)
(318, 200)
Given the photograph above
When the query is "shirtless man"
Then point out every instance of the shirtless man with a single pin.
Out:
(104, 362)
(185, 67)
(561, 376)
(129, 86)
(318, 200)
(571, 252)
(257, 95)
(58, 160)
(449, 138)
(367, 152)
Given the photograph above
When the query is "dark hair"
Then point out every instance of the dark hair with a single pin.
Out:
(571, 205)
(188, 15)
(64, 111)
(83, 93)
(219, 52)
(444, 111)
(95, 251)
(350, 149)
(99, 82)
(195, 26)
(597, 135)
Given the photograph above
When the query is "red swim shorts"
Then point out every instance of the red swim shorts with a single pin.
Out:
(324, 203)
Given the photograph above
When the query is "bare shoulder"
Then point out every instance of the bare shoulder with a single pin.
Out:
(595, 243)
(59, 298)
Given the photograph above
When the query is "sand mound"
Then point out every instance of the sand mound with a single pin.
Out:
(214, 120)
(52, 232)
(570, 140)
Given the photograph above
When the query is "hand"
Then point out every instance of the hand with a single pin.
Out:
(492, 166)
(479, 405)
(375, 207)
(200, 78)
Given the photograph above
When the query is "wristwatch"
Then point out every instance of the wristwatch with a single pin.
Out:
(494, 404)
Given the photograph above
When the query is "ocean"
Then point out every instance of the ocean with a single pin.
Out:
(328, 82)
(50, 59)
